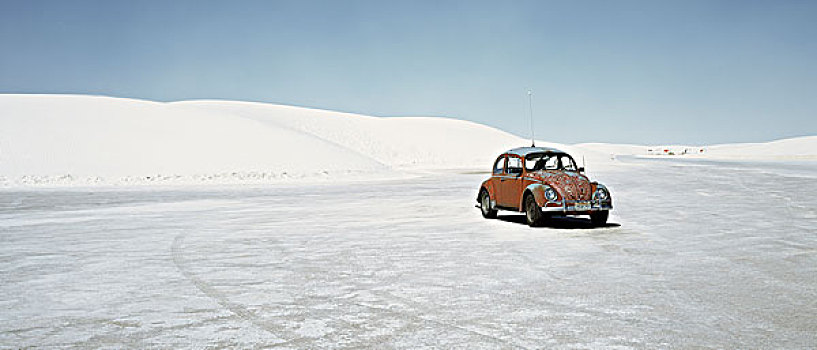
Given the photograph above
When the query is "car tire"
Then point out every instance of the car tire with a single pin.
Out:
(533, 213)
(599, 218)
(485, 205)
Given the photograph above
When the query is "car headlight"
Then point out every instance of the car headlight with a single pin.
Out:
(550, 194)
(602, 194)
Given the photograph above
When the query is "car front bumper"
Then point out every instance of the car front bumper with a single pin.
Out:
(576, 207)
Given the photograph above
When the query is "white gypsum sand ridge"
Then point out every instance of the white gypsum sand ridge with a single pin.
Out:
(70, 139)
(80, 139)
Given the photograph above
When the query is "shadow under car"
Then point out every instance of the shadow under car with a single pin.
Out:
(557, 221)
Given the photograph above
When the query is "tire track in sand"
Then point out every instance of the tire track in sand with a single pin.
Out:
(290, 339)
(221, 299)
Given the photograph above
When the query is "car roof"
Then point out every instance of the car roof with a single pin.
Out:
(524, 151)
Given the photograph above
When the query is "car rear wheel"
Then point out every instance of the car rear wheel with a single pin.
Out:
(599, 218)
(485, 205)
(533, 213)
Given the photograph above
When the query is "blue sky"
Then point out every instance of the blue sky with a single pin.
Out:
(601, 71)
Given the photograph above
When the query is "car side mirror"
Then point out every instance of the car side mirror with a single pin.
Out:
(581, 170)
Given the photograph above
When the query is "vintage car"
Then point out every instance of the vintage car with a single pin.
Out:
(542, 182)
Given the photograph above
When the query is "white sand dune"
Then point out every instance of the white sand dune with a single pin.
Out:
(71, 138)
(53, 139)
(399, 142)
(113, 137)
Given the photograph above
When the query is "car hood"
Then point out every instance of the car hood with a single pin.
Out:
(570, 185)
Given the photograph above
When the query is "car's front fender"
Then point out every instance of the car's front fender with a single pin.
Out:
(609, 194)
(538, 192)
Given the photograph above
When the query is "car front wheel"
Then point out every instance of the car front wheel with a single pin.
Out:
(599, 218)
(533, 214)
(485, 205)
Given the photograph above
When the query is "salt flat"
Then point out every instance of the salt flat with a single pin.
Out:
(698, 254)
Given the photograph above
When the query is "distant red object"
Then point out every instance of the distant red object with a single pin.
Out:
(542, 182)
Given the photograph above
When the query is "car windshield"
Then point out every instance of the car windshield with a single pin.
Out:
(550, 161)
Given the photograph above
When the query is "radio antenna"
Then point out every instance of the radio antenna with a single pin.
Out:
(530, 107)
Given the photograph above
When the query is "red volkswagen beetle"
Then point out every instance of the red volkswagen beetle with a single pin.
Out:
(542, 182)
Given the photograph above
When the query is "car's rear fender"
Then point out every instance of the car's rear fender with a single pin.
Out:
(488, 185)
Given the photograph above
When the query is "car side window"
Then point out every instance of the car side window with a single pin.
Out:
(514, 165)
(499, 167)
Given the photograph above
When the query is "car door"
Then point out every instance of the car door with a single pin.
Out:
(497, 176)
(510, 185)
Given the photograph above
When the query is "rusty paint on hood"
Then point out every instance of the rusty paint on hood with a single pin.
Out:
(571, 185)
